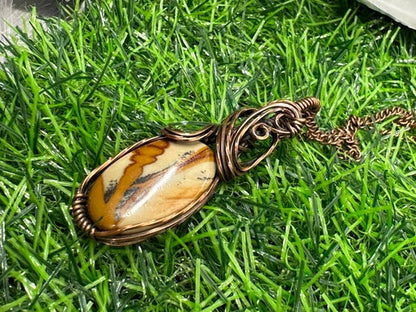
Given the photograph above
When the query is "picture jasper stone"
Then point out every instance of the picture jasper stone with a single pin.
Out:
(151, 184)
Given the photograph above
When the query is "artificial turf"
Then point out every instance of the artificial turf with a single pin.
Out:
(303, 231)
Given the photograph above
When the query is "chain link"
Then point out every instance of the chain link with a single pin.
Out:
(344, 138)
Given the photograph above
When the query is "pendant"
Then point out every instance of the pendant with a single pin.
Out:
(159, 182)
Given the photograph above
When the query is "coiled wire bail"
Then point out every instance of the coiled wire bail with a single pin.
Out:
(238, 133)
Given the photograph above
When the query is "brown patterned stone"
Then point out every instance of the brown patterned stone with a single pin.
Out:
(150, 184)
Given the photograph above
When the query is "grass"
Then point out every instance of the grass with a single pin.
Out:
(304, 231)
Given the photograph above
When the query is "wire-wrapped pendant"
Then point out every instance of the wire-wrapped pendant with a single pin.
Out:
(157, 183)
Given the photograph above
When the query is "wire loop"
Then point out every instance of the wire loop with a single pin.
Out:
(238, 133)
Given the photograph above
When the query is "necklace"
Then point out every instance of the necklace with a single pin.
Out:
(159, 182)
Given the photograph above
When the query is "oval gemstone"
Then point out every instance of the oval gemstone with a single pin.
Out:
(151, 183)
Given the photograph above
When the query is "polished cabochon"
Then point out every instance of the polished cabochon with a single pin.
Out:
(150, 185)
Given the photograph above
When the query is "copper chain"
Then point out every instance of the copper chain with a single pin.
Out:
(344, 138)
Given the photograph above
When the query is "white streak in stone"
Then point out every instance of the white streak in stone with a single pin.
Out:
(142, 201)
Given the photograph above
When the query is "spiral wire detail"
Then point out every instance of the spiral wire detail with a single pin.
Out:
(237, 134)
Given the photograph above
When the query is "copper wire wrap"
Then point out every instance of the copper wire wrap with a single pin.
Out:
(80, 214)
(277, 120)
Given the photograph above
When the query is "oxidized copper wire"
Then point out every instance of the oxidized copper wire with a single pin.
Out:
(238, 133)
(277, 120)
(201, 135)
